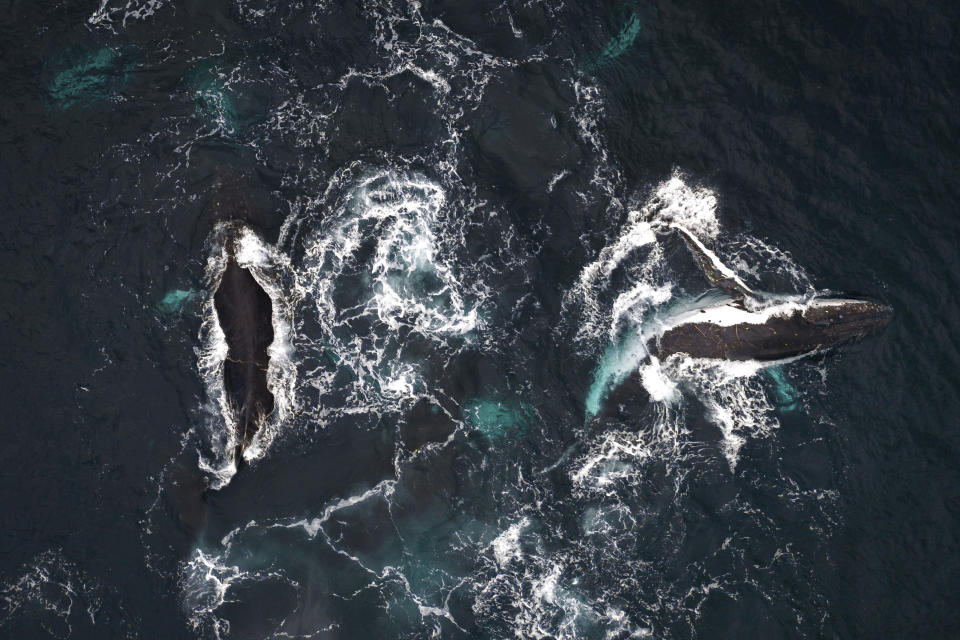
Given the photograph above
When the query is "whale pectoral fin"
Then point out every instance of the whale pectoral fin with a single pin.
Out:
(740, 303)
(719, 275)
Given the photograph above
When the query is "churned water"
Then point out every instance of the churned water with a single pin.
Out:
(461, 212)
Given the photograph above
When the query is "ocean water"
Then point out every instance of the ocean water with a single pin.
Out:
(460, 211)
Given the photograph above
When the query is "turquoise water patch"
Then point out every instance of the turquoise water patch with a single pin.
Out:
(617, 45)
(85, 78)
(788, 398)
(620, 359)
(212, 98)
(175, 300)
(496, 418)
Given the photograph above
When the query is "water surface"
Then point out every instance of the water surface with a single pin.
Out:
(455, 207)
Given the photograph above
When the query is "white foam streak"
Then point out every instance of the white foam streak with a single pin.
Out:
(628, 308)
(404, 211)
(545, 601)
(132, 9)
(596, 275)
(49, 590)
(506, 546)
(383, 489)
(612, 459)
(205, 581)
(674, 201)
(733, 396)
(386, 253)
(735, 400)
(207, 578)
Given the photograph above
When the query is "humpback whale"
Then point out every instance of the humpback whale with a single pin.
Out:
(245, 314)
(748, 326)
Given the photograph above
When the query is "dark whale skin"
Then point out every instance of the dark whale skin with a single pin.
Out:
(245, 313)
(778, 338)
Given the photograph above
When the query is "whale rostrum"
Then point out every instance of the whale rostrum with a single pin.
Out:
(748, 326)
(245, 314)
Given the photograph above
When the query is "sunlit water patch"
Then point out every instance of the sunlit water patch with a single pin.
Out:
(176, 299)
(213, 98)
(619, 44)
(496, 418)
(81, 78)
(787, 395)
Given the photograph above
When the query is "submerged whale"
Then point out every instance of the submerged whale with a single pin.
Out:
(748, 326)
(245, 314)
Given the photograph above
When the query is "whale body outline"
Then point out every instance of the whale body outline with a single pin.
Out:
(245, 315)
(751, 326)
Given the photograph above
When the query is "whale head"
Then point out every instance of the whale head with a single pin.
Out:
(840, 320)
(783, 330)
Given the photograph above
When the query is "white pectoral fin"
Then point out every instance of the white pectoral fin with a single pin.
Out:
(719, 274)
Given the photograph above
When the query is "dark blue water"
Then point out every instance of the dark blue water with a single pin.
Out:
(455, 208)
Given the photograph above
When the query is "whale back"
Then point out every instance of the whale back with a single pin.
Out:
(776, 339)
(784, 331)
(245, 314)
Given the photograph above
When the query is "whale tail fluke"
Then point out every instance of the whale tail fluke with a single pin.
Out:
(250, 420)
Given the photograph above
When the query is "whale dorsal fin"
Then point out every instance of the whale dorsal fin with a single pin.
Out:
(719, 275)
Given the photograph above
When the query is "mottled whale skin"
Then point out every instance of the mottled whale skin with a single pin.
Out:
(245, 313)
(778, 332)
(745, 327)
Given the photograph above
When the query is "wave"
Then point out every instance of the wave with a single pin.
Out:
(383, 297)
(57, 598)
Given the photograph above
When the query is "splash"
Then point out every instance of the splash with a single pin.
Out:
(410, 282)
(381, 277)
(675, 201)
(629, 291)
(637, 252)
(733, 397)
